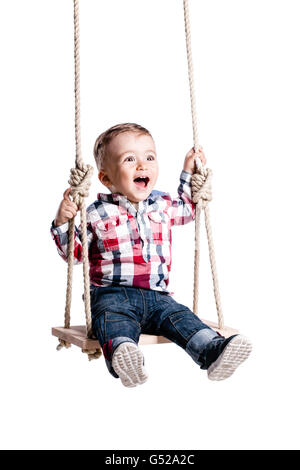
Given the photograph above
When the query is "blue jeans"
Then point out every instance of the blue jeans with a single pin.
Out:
(121, 314)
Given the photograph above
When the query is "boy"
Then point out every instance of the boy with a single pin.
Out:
(129, 236)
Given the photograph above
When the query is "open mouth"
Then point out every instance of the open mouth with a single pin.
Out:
(142, 182)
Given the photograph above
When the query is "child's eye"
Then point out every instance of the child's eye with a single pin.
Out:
(150, 157)
(129, 159)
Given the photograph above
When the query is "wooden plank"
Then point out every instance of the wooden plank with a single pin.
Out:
(77, 335)
(151, 339)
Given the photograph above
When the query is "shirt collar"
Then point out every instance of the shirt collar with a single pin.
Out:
(121, 200)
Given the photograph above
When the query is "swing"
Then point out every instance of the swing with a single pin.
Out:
(80, 181)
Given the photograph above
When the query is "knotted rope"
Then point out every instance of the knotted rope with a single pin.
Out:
(62, 344)
(201, 187)
(92, 353)
(80, 181)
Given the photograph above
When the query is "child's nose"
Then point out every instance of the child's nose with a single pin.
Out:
(141, 165)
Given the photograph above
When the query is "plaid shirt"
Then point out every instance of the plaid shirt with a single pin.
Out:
(127, 246)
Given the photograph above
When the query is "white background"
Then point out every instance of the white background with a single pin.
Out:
(133, 68)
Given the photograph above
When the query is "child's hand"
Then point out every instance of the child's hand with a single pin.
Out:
(189, 162)
(67, 209)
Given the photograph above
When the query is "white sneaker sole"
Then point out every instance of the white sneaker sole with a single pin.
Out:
(128, 363)
(236, 352)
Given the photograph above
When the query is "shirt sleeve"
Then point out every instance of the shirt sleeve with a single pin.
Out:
(60, 236)
(182, 208)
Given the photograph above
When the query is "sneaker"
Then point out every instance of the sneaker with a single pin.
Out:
(128, 363)
(229, 355)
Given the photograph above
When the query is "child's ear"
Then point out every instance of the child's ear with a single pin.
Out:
(103, 177)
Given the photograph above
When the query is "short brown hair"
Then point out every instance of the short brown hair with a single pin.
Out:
(107, 136)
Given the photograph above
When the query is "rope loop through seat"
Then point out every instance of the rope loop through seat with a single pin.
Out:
(62, 344)
(92, 353)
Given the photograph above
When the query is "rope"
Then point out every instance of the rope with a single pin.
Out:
(92, 353)
(80, 181)
(62, 344)
(190, 71)
(201, 187)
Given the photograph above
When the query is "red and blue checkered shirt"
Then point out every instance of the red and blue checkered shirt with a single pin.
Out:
(130, 247)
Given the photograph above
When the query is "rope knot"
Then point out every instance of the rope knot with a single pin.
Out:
(201, 186)
(62, 344)
(92, 353)
(80, 182)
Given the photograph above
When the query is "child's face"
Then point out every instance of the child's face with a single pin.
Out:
(131, 167)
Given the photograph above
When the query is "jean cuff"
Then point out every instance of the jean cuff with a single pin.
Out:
(198, 343)
(109, 348)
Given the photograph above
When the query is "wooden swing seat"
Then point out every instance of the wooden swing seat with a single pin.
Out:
(76, 335)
